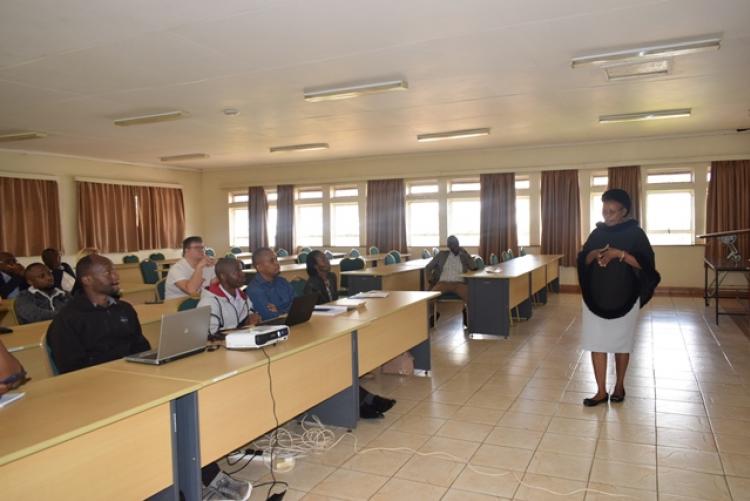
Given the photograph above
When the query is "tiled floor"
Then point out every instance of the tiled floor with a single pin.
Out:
(509, 414)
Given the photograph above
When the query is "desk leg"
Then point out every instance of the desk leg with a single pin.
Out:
(488, 306)
(342, 409)
(705, 284)
(188, 447)
(716, 297)
(555, 285)
(360, 283)
(171, 493)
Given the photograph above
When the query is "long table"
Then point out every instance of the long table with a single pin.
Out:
(496, 289)
(217, 401)
(407, 276)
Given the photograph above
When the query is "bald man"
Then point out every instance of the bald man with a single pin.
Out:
(42, 300)
(445, 269)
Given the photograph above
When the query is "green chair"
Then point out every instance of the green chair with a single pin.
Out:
(522, 251)
(479, 262)
(308, 250)
(230, 255)
(396, 254)
(160, 289)
(435, 251)
(149, 272)
(188, 304)
(282, 253)
(505, 255)
(299, 286)
(494, 259)
(157, 256)
(210, 252)
(354, 253)
(130, 259)
(302, 258)
(510, 253)
(373, 250)
(390, 259)
(349, 264)
(426, 254)
(235, 250)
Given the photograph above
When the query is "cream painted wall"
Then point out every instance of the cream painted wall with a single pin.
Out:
(65, 169)
(680, 266)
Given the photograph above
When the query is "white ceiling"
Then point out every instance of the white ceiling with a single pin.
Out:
(69, 68)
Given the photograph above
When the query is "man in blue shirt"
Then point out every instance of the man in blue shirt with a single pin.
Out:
(271, 294)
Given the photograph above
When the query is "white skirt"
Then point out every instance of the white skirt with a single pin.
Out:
(605, 335)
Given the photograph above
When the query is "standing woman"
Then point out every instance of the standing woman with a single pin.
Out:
(617, 274)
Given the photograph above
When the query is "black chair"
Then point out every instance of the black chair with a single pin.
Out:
(149, 272)
(349, 264)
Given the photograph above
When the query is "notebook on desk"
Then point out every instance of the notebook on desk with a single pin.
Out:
(182, 334)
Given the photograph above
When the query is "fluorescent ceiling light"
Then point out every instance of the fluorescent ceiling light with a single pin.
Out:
(656, 50)
(186, 156)
(629, 71)
(645, 115)
(7, 137)
(454, 134)
(300, 147)
(354, 91)
(150, 119)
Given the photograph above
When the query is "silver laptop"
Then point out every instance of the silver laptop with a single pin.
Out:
(182, 334)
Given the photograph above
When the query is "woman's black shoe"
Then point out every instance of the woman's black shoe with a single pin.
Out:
(382, 404)
(591, 402)
(617, 398)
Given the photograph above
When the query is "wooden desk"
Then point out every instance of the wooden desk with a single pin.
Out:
(379, 259)
(393, 277)
(137, 293)
(90, 434)
(493, 293)
(295, 271)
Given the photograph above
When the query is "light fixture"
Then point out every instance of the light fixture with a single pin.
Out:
(454, 134)
(150, 119)
(20, 136)
(231, 112)
(332, 94)
(645, 115)
(643, 69)
(299, 147)
(186, 156)
(657, 50)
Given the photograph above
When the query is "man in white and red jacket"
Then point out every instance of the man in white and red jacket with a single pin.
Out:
(230, 306)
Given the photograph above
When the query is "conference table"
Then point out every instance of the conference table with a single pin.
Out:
(406, 276)
(496, 289)
(216, 401)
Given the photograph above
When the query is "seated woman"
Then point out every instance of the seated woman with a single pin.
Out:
(323, 283)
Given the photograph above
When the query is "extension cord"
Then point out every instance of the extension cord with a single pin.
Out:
(285, 462)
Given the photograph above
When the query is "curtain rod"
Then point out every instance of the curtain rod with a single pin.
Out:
(128, 183)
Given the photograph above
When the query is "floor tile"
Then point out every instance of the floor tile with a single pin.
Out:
(560, 465)
(514, 437)
(692, 484)
(431, 470)
(542, 487)
(623, 474)
(626, 452)
(452, 449)
(398, 489)
(472, 432)
(567, 444)
(489, 481)
(690, 459)
(348, 484)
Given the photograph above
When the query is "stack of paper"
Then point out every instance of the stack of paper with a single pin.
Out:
(329, 310)
(369, 294)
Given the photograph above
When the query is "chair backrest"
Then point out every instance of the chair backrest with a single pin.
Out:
(390, 259)
(328, 254)
(188, 304)
(354, 253)
(350, 264)
(302, 257)
(130, 258)
(210, 252)
(510, 253)
(230, 255)
(373, 250)
(494, 259)
(235, 250)
(52, 365)
(161, 286)
(148, 272)
(435, 251)
(426, 254)
(522, 251)
(306, 250)
(396, 255)
(506, 256)
(299, 286)
(479, 262)
(157, 256)
(282, 253)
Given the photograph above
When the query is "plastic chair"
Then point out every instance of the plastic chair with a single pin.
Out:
(494, 259)
(521, 251)
(373, 250)
(390, 259)
(157, 256)
(130, 259)
(354, 253)
(505, 255)
(435, 251)
(188, 304)
(149, 272)
(161, 286)
(479, 262)
(510, 253)
(426, 254)
(349, 264)
(230, 255)
(302, 258)
(396, 254)
(235, 250)
(282, 253)
(307, 250)
(210, 252)
(299, 286)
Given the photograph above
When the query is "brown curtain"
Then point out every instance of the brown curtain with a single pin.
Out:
(386, 215)
(561, 214)
(107, 217)
(161, 217)
(30, 219)
(728, 205)
(285, 217)
(497, 219)
(257, 214)
(628, 179)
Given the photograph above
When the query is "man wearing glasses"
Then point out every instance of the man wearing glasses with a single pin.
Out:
(191, 273)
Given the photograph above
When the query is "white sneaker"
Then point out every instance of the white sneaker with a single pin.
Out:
(231, 489)
(210, 494)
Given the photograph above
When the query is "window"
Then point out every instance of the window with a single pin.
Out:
(523, 220)
(595, 210)
(238, 197)
(238, 227)
(670, 177)
(421, 188)
(271, 223)
(463, 185)
(422, 223)
(523, 184)
(463, 220)
(309, 194)
(344, 191)
(599, 180)
(669, 217)
(308, 225)
(345, 224)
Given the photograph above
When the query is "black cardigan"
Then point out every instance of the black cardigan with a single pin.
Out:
(315, 285)
(611, 292)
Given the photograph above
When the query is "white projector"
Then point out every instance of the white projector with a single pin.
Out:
(249, 338)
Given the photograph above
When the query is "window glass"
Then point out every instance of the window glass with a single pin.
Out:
(345, 191)
(238, 227)
(459, 186)
(345, 224)
(421, 189)
(422, 223)
(523, 220)
(463, 221)
(670, 177)
(309, 225)
(669, 217)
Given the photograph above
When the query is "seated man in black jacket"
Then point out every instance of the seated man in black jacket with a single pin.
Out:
(96, 327)
(42, 300)
(11, 276)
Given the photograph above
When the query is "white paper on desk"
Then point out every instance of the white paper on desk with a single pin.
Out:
(329, 310)
(351, 304)
(9, 398)
(493, 269)
(369, 294)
